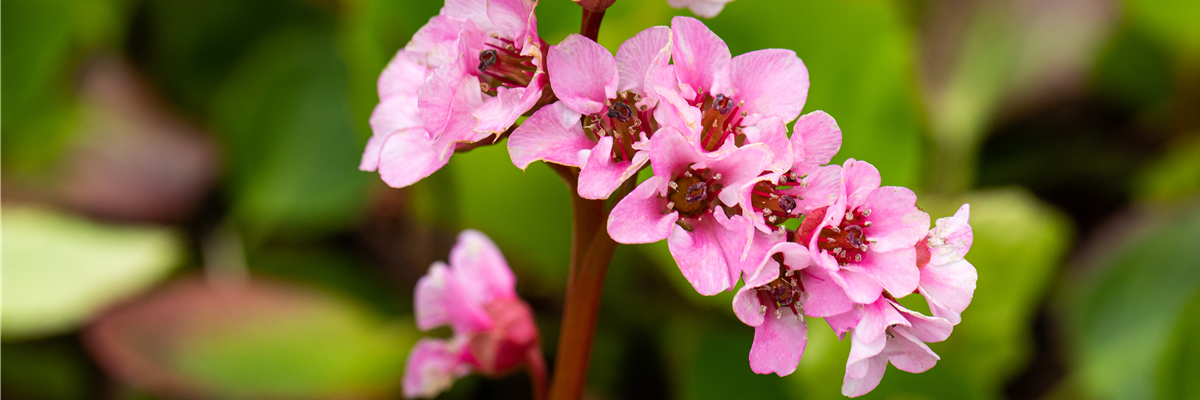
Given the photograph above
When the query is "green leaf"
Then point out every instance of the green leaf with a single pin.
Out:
(59, 270)
(1181, 362)
(1122, 306)
(1172, 21)
(285, 117)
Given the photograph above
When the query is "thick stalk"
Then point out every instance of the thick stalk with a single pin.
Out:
(589, 26)
(537, 372)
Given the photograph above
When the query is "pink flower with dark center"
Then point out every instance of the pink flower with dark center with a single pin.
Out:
(608, 95)
(775, 299)
(481, 69)
(703, 8)
(866, 239)
(884, 331)
(716, 96)
(805, 184)
(685, 202)
(947, 279)
(475, 295)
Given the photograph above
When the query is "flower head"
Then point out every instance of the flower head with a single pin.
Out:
(480, 69)
(685, 202)
(884, 331)
(475, 295)
(608, 95)
(947, 279)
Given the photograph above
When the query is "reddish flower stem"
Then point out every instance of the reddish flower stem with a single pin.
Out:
(589, 26)
(537, 372)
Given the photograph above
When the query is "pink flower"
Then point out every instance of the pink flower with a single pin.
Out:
(480, 69)
(703, 8)
(865, 239)
(475, 295)
(947, 279)
(886, 331)
(774, 301)
(716, 96)
(608, 95)
(805, 184)
(684, 203)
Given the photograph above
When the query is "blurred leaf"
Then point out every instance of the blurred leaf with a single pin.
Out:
(1137, 281)
(1134, 70)
(1181, 361)
(710, 361)
(527, 213)
(1172, 21)
(59, 269)
(1176, 175)
(48, 369)
(285, 117)
(257, 339)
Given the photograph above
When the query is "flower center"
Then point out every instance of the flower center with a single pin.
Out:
(783, 292)
(692, 194)
(720, 118)
(848, 241)
(775, 206)
(624, 121)
(502, 65)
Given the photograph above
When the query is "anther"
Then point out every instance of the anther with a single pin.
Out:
(487, 58)
(673, 185)
(767, 211)
(717, 176)
(857, 257)
(866, 212)
(849, 216)
(778, 313)
(835, 229)
(762, 309)
(867, 224)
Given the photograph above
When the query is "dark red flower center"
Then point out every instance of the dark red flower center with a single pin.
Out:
(848, 241)
(783, 292)
(775, 206)
(625, 121)
(720, 117)
(501, 64)
(692, 194)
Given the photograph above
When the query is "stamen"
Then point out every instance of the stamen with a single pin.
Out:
(866, 212)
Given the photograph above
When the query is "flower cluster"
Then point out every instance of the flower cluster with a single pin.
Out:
(475, 295)
(735, 195)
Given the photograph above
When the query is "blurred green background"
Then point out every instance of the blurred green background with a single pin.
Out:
(183, 216)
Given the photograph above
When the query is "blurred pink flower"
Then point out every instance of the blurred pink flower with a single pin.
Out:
(947, 279)
(884, 331)
(865, 239)
(703, 8)
(466, 75)
(715, 96)
(683, 203)
(475, 295)
(608, 95)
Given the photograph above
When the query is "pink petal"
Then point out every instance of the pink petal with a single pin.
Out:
(432, 367)
(908, 353)
(434, 45)
(844, 322)
(740, 166)
(896, 222)
(700, 256)
(600, 176)
(824, 187)
(702, 8)
(860, 287)
(747, 306)
(481, 267)
(895, 270)
(858, 364)
(771, 82)
(472, 10)
(396, 113)
(446, 101)
(951, 239)
(671, 154)
(441, 298)
(877, 316)
(583, 74)
(509, 17)
(860, 179)
(408, 156)
(772, 131)
(816, 138)
(648, 49)
(639, 217)
(402, 76)
(924, 328)
(778, 344)
(873, 369)
(825, 298)
(949, 288)
(370, 158)
(702, 60)
(552, 134)
(499, 113)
